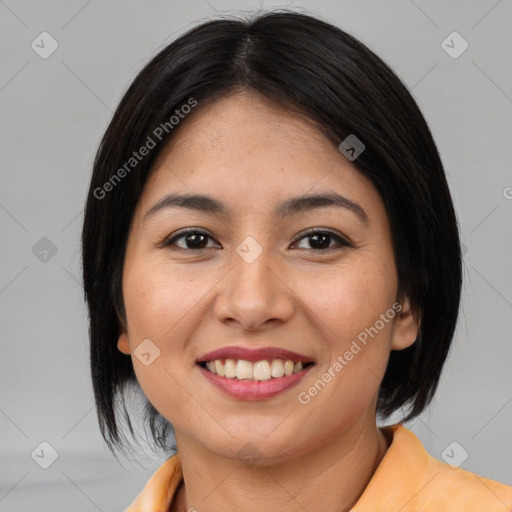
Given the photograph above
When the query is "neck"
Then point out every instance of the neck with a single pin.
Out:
(329, 477)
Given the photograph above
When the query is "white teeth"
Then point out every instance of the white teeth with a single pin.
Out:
(288, 368)
(277, 368)
(219, 367)
(260, 370)
(230, 368)
(243, 369)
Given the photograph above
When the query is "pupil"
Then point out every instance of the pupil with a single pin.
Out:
(324, 237)
(196, 242)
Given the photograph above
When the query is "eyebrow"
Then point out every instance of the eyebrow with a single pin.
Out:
(292, 206)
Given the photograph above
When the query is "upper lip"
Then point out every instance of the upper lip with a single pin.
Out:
(254, 354)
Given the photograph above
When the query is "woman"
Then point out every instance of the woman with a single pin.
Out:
(271, 255)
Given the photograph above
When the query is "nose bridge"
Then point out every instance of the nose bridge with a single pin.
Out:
(253, 293)
(253, 279)
(252, 267)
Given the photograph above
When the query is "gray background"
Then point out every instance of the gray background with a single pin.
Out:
(53, 114)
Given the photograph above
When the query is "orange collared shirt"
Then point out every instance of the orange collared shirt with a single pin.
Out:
(408, 479)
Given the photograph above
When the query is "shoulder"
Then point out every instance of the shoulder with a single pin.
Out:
(409, 479)
(467, 490)
(449, 488)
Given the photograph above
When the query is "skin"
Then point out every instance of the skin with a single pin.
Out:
(251, 154)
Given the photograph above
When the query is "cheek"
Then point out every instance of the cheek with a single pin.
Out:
(347, 311)
(166, 305)
(159, 298)
(160, 307)
(348, 299)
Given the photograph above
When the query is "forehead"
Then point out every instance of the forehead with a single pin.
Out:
(251, 151)
(243, 124)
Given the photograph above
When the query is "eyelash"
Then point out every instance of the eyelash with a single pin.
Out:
(305, 234)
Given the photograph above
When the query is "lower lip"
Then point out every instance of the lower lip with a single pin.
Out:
(254, 390)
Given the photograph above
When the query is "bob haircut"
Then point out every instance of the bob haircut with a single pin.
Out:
(319, 73)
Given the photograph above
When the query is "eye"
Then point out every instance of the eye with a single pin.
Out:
(194, 239)
(320, 239)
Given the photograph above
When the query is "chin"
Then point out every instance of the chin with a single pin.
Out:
(252, 448)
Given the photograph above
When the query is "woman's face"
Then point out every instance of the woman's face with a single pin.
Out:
(253, 276)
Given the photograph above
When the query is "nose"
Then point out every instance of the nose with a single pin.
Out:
(254, 294)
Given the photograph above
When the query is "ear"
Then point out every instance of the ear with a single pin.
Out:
(406, 327)
(123, 344)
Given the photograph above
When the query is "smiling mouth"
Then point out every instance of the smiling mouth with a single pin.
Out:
(264, 370)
